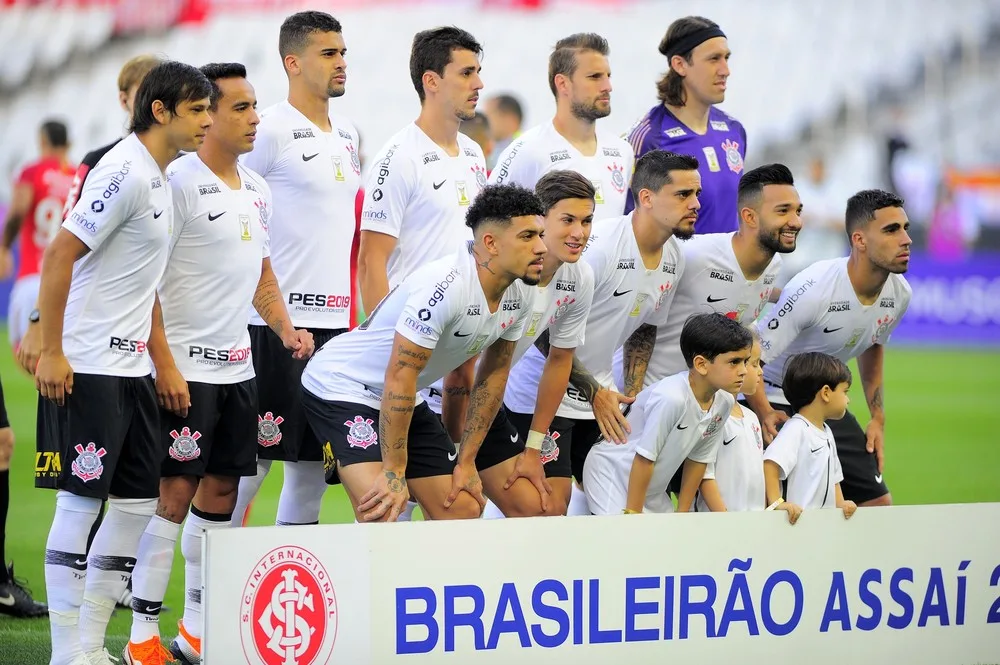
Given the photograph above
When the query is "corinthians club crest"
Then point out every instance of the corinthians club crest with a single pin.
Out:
(88, 465)
(361, 434)
(550, 449)
(268, 430)
(185, 445)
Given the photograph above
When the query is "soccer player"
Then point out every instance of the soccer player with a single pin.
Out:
(636, 261)
(443, 315)
(846, 308)
(677, 422)
(201, 351)
(804, 453)
(478, 129)
(506, 116)
(734, 480)
(309, 158)
(561, 305)
(34, 215)
(580, 80)
(98, 402)
(732, 273)
(686, 120)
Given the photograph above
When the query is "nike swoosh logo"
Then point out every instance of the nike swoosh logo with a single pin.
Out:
(828, 330)
(437, 185)
(458, 334)
(129, 564)
(711, 299)
(212, 217)
(156, 215)
(685, 427)
(623, 292)
(513, 438)
(80, 563)
(307, 158)
(878, 478)
(7, 600)
(726, 443)
(817, 450)
(452, 456)
(153, 609)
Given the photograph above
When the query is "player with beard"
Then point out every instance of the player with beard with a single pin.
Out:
(686, 120)
(308, 156)
(846, 308)
(580, 80)
(439, 318)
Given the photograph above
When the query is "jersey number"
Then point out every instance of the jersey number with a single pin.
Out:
(48, 217)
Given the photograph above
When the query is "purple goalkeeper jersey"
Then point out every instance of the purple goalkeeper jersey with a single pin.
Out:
(720, 152)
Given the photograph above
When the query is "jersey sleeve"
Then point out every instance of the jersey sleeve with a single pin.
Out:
(784, 450)
(799, 308)
(183, 204)
(104, 205)
(515, 166)
(707, 449)
(662, 415)
(387, 193)
(265, 217)
(264, 156)
(905, 294)
(568, 331)
(642, 137)
(515, 330)
(423, 320)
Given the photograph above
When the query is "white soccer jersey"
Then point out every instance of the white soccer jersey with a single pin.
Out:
(668, 427)
(713, 282)
(440, 307)
(124, 215)
(418, 194)
(819, 311)
(314, 178)
(626, 295)
(543, 149)
(205, 299)
(562, 308)
(807, 457)
(738, 468)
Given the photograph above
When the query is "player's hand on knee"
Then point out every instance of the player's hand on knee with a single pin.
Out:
(386, 499)
(300, 343)
(465, 478)
(794, 511)
(875, 434)
(54, 377)
(848, 507)
(608, 413)
(172, 391)
(29, 349)
(529, 466)
(771, 422)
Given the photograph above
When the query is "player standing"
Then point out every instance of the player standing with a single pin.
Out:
(99, 277)
(846, 308)
(309, 158)
(505, 117)
(443, 315)
(580, 80)
(201, 351)
(686, 120)
(636, 261)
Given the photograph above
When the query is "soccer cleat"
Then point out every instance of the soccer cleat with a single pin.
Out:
(186, 648)
(150, 652)
(100, 657)
(16, 600)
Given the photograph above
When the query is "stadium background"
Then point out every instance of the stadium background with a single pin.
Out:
(899, 95)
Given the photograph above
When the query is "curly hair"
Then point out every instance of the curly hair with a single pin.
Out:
(498, 204)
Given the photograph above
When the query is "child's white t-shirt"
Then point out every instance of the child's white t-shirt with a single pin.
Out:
(738, 469)
(807, 457)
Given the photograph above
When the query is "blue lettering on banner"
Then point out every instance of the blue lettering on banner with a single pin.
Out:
(554, 613)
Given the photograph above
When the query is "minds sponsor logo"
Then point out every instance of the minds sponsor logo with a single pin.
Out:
(418, 327)
(370, 215)
(116, 180)
(84, 223)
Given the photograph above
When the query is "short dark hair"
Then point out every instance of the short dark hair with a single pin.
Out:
(670, 88)
(563, 57)
(498, 204)
(509, 104)
(556, 186)
(753, 182)
(861, 207)
(710, 335)
(296, 29)
(807, 373)
(55, 133)
(172, 83)
(221, 70)
(652, 170)
(431, 52)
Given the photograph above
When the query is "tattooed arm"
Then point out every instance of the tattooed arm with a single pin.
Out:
(485, 398)
(870, 365)
(637, 351)
(270, 305)
(455, 401)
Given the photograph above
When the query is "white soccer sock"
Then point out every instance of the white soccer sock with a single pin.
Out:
(66, 571)
(577, 502)
(249, 486)
(492, 511)
(150, 577)
(194, 533)
(110, 563)
(301, 493)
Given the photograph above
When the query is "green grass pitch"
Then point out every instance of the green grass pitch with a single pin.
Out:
(942, 410)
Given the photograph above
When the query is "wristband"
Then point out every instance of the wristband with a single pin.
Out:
(777, 502)
(535, 440)
(629, 511)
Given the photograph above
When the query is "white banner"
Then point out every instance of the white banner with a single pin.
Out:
(911, 585)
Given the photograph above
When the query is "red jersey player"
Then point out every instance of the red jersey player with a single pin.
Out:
(35, 215)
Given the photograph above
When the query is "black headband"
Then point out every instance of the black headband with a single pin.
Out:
(689, 42)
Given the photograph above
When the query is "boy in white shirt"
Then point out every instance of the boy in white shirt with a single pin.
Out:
(735, 480)
(676, 422)
(804, 454)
